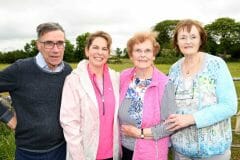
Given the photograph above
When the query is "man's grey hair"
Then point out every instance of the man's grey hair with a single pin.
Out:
(48, 27)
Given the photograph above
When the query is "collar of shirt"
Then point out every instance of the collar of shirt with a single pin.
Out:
(42, 64)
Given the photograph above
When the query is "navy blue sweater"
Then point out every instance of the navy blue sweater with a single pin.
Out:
(36, 98)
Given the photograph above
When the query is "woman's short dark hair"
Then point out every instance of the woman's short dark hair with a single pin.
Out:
(101, 34)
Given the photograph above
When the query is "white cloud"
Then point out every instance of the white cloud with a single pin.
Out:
(120, 18)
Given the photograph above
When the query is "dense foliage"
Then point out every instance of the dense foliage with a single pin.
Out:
(223, 37)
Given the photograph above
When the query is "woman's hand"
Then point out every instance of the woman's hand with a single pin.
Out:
(178, 121)
(131, 131)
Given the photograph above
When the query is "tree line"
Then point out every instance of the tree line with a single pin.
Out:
(223, 39)
(71, 53)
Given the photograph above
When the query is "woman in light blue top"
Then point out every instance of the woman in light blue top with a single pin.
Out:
(205, 96)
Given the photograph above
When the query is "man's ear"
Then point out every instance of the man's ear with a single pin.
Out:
(38, 45)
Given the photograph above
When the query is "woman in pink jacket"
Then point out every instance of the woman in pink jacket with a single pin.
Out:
(146, 100)
(90, 103)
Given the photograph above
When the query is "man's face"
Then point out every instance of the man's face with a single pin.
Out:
(51, 45)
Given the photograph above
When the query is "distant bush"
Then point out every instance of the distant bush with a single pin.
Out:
(165, 60)
(114, 60)
(12, 56)
(167, 56)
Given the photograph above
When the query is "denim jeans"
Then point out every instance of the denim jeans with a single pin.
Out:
(56, 154)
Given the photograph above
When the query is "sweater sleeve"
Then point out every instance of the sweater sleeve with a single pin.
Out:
(70, 118)
(168, 106)
(5, 113)
(9, 78)
(8, 82)
(226, 105)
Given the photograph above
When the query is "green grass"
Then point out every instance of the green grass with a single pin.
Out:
(7, 147)
(3, 66)
(7, 143)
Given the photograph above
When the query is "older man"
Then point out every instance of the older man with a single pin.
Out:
(35, 86)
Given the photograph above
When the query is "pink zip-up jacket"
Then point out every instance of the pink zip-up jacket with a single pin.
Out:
(148, 149)
(79, 114)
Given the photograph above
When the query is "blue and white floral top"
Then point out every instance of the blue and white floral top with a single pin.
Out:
(210, 97)
(135, 92)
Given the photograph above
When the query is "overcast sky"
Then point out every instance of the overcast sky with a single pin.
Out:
(120, 18)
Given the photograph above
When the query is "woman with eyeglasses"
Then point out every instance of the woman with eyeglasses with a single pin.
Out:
(90, 103)
(205, 97)
(146, 100)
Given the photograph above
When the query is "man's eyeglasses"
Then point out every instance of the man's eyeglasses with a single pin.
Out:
(51, 44)
(183, 94)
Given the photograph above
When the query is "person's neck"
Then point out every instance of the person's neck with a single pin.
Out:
(192, 63)
(52, 67)
(98, 71)
(145, 73)
(193, 58)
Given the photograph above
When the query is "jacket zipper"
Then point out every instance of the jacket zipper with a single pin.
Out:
(101, 94)
(156, 146)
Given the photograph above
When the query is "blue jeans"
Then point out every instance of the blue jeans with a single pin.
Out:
(56, 154)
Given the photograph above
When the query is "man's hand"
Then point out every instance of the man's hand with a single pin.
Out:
(13, 122)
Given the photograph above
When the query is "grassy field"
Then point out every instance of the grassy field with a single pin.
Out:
(7, 146)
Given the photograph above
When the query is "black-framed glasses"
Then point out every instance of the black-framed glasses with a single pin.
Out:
(184, 94)
(51, 44)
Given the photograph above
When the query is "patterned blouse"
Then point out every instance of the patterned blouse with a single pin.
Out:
(135, 92)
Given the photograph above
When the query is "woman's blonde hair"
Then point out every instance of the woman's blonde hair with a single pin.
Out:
(140, 37)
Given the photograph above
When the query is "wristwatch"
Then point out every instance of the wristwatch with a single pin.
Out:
(142, 135)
